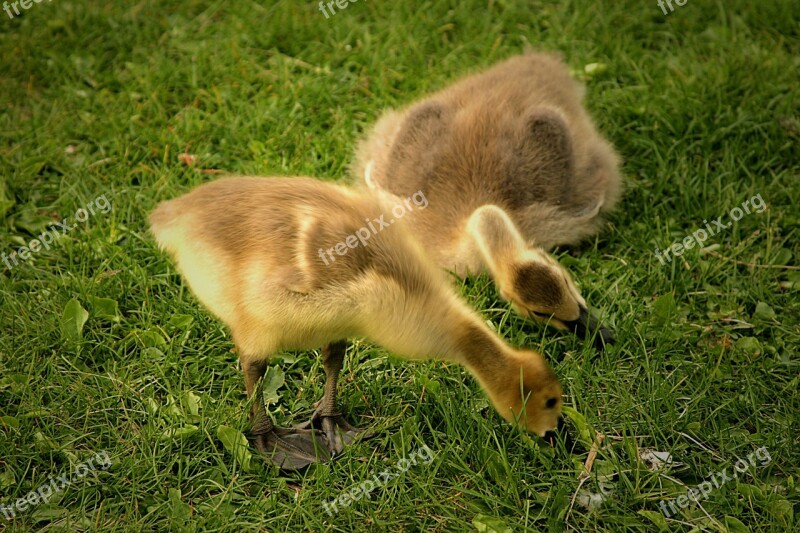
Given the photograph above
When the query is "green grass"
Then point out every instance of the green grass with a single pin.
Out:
(703, 105)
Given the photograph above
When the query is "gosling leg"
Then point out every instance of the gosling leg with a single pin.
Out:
(327, 416)
(289, 449)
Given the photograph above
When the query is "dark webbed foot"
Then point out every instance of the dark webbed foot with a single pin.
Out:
(338, 431)
(292, 449)
(327, 416)
(289, 449)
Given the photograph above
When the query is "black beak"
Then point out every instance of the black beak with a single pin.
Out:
(562, 432)
(587, 325)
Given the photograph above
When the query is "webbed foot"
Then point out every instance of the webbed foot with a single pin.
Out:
(292, 449)
(337, 429)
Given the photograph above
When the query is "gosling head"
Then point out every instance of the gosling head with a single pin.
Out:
(529, 394)
(540, 288)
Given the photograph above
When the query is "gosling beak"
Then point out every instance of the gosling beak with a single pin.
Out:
(586, 325)
(552, 436)
(562, 433)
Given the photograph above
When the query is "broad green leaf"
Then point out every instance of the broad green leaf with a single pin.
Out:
(751, 492)
(30, 221)
(236, 443)
(153, 353)
(734, 525)
(48, 513)
(7, 478)
(9, 421)
(490, 524)
(104, 308)
(36, 413)
(172, 410)
(151, 405)
(191, 406)
(656, 518)
(16, 382)
(273, 380)
(256, 147)
(495, 466)
(180, 321)
(568, 260)
(191, 403)
(595, 68)
(782, 509)
(45, 443)
(430, 384)
(585, 433)
(403, 440)
(180, 513)
(72, 321)
(781, 257)
(663, 309)
(152, 339)
(179, 433)
(694, 426)
(764, 313)
(750, 346)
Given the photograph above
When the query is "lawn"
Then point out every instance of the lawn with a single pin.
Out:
(121, 400)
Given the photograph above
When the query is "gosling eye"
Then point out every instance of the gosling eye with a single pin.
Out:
(551, 403)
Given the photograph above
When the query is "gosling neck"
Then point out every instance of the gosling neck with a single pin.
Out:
(498, 240)
(480, 350)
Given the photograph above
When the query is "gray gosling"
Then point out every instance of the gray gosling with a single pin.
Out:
(512, 166)
(250, 250)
